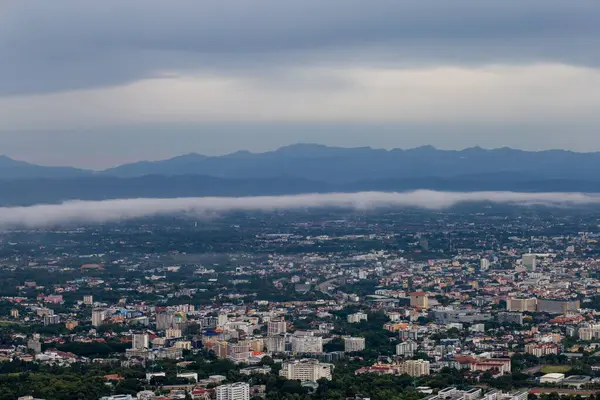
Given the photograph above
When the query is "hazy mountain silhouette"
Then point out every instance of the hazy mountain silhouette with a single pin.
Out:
(13, 169)
(306, 168)
(345, 165)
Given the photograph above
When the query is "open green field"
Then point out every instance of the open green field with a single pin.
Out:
(550, 369)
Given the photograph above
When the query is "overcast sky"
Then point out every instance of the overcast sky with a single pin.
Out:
(95, 84)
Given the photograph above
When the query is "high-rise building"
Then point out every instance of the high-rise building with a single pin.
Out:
(14, 313)
(88, 300)
(306, 370)
(307, 344)
(233, 391)
(222, 320)
(424, 243)
(352, 344)
(208, 322)
(98, 317)
(416, 367)
(222, 349)
(164, 320)
(140, 341)
(419, 299)
(529, 261)
(276, 327)
(275, 344)
(484, 264)
(406, 349)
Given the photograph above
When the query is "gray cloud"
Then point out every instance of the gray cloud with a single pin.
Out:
(70, 44)
(117, 210)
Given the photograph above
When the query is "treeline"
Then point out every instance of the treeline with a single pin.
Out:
(97, 349)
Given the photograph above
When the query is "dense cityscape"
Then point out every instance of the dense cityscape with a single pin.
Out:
(299, 200)
(476, 302)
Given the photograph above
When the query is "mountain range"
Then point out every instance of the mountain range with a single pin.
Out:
(306, 168)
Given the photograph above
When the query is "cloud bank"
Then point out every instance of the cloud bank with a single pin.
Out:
(126, 209)
(216, 76)
(493, 94)
(69, 44)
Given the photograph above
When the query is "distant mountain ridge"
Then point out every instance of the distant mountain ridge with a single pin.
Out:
(339, 164)
(345, 165)
(13, 169)
(304, 168)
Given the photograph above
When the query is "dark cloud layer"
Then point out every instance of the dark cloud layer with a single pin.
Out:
(60, 45)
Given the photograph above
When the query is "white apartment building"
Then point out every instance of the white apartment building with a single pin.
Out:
(352, 344)
(275, 344)
(484, 264)
(416, 368)
(233, 391)
(307, 344)
(541, 349)
(589, 332)
(222, 320)
(98, 317)
(357, 317)
(276, 327)
(306, 370)
(140, 341)
(406, 349)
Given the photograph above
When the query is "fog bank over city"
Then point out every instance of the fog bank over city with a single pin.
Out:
(43, 215)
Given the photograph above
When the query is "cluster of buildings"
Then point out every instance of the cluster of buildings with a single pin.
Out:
(467, 295)
(414, 368)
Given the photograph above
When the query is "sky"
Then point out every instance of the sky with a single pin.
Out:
(97, 84)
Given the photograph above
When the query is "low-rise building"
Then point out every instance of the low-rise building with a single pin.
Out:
(553, 378)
